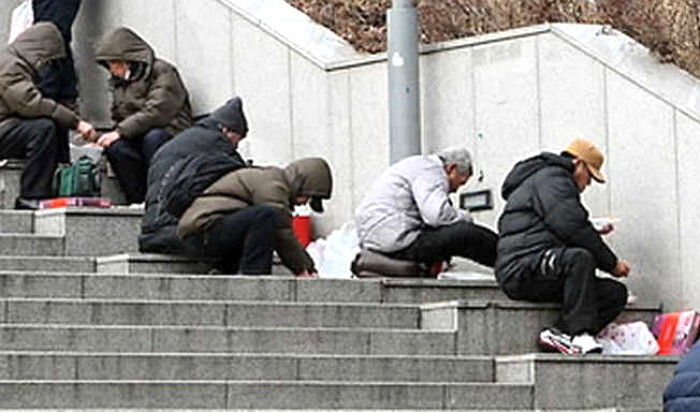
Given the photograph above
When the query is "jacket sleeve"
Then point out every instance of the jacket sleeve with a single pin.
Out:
(430, 192)
(290, 251)
(558, 203)
(163, 102)
(23, 97)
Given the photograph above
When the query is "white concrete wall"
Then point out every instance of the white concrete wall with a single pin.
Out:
(506, 96)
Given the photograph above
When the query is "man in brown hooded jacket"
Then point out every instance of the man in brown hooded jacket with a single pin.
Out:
(150, 105)
(31, 125)
(246, 214)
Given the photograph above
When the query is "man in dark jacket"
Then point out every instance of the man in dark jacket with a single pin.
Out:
(218, 133)
(58, 80)
(683, 392)
(33, 126)
(548, 250)
(150, 105)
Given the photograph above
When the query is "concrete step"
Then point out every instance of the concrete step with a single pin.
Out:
(16, 221)
(225, 339)
(169, 264)
(48, 263)
(213, 313)
(591, 381)
(506, 327)
(92, 231)
(10, 172)
(31, 245)
(239, 288)
(262, 395)
(232, 366)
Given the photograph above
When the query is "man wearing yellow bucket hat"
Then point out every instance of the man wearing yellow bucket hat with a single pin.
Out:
(548, 250)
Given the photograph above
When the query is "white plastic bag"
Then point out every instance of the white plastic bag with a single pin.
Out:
(334, 254)
(22, 19)
(633, 338)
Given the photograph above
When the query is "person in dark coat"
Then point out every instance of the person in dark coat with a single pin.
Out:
(683, 392)
(58, 79)
(150, 105)
(32, 126)
(548, 250)
(218, 133)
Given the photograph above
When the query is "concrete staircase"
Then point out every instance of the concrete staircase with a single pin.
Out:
(87, 322)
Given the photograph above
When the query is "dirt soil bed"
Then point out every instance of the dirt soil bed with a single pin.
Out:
(670, 28)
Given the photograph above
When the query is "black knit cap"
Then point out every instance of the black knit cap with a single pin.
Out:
(231, 116)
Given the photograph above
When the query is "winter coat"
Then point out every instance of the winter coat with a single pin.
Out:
(20, 64)
(406, 198)
(683, 392)
(158, 227)
(61, 13)
(156, 98)
(543, 210)
(270, 186)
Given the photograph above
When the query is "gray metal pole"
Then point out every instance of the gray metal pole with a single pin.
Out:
(404, 92)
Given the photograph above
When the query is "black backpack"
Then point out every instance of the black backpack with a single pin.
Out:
(190, 176)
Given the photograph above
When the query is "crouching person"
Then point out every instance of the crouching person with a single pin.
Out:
(245, 215)
(407, 214)
(150, 105)
(32, 126)
(548, 250)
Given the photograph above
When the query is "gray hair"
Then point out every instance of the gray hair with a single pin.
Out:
(459, 156)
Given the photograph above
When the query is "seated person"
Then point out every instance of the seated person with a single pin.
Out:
(548, 250)
(407, 214)
(245, 215)
(32, 126)
(150, 105)
(219, 132)
(683, 392)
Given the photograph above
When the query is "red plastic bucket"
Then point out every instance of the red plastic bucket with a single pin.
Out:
(301, 226)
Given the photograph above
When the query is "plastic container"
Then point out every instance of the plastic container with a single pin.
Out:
(301, 226)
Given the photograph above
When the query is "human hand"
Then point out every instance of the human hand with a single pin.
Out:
(622, 269)
(307, 275)
(108, 138)
(605, 229)
(87, 130)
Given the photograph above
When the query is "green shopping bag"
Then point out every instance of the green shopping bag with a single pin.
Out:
(81, 178)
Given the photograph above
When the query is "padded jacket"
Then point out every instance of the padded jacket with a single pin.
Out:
(683, 392)
(270, 186)
(158, 227)
(157, 98)
(20, 64)
(543, 210)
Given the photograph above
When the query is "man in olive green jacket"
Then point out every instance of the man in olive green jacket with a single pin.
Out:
(31, 125)
(246, 214)
(150, 105)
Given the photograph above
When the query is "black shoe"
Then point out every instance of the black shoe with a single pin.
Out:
(26, 204)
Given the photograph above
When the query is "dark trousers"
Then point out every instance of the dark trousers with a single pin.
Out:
(567, 276)
(240, 242)
(41, 142)
(130, 158)
(459, 239)
(58, 79)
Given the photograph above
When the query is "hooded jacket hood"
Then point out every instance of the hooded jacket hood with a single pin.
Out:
(39, 45)
(123, 44)
(528, 167)
(310, 177)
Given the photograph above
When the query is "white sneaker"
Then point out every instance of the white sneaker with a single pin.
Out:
(586, 344)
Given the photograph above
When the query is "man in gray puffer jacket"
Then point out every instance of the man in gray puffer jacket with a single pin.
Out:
(407, 214)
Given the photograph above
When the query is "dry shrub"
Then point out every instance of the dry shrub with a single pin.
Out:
(670, 28)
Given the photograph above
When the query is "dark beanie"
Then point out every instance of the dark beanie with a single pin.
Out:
(231, 116)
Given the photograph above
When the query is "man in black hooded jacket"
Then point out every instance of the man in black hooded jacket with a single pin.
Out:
(220, 132)
(548, 250)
